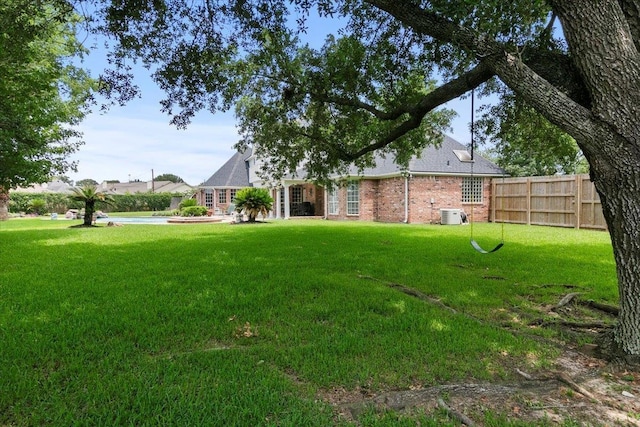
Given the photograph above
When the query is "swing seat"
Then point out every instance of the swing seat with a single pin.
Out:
(478, 248)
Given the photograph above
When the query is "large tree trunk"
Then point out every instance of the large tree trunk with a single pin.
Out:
(620, 195)
(4, 204)
(604, 51)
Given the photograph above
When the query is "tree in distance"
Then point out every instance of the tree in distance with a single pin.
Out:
(87, 182)
(169, 177)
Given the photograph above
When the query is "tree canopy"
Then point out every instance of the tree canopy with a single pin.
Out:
(87, 182)
(378, 83)
(43, 95)
(169, 177)
(524, 143)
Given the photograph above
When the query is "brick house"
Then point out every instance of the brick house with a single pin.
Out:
(440, 178)
(217, 192)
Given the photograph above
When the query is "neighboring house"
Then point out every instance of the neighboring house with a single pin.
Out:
(440, 178)
(144, 187)
(47, 187)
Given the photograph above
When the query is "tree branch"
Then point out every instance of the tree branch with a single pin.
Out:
(356, 103)
(631, 10)
(451, 90)
(546, 98)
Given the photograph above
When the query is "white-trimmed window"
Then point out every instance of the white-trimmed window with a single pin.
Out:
(232, 195)
(208, 198)
(472, 190)
(333, 201)
(353, 198)
(222, 196)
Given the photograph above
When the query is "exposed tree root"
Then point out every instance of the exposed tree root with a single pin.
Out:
(411, 292)
(597, 399)
(576, 329)
(566, 300)
(609, 309)
(606, 308)
(455, 414)
(561, 377)
(569, 324)
(577, 388)
(564, 378)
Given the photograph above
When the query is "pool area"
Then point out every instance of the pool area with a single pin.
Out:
(158, 220)
(134, 220)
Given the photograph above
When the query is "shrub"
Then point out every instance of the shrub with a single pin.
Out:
(141, 202)
(90, 196)
(187, 203)
(253, 202)
(58, 202)
(193, 211)
(38, 206)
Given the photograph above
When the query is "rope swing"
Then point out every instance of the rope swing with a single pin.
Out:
(475, 244)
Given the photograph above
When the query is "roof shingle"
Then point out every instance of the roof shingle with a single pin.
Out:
(234, 173)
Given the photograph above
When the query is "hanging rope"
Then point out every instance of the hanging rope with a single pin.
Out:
(475, 244)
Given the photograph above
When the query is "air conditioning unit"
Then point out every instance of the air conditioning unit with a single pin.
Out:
(450, 217)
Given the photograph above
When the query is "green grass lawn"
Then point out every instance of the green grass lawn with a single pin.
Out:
(219, 324)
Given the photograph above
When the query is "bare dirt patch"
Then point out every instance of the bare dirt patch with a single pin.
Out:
(579, 388)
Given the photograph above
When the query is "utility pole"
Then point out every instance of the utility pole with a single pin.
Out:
(153, 185)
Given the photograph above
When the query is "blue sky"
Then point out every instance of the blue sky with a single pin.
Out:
(128, 143)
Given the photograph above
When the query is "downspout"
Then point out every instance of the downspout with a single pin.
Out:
(326, 202)
(406, 198)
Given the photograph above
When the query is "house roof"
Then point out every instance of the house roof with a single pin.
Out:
(47, 187)
(449, 158)
(144, 187)
(234, 173)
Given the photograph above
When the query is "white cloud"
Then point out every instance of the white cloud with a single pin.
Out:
(123, 147)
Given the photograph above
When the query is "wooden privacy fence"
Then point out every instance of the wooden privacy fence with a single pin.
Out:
(561, 201)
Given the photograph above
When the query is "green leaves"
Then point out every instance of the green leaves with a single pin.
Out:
(89, 195)
(253, 201)
(328, 108)
(373, 84)
(526, 144)
(42, 95)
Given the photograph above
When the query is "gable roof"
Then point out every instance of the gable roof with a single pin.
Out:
(234, 173)
(449, 158)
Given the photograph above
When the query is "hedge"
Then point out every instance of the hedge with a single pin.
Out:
(60, 203)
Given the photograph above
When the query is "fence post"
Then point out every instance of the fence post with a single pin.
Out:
(494, 198)
(528, 201)
(577, 201)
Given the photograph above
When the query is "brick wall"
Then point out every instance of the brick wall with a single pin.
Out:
(391, 200)
(383, 200)
(445, 192)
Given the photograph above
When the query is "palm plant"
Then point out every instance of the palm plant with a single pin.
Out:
(89, 195)
(253, 202)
